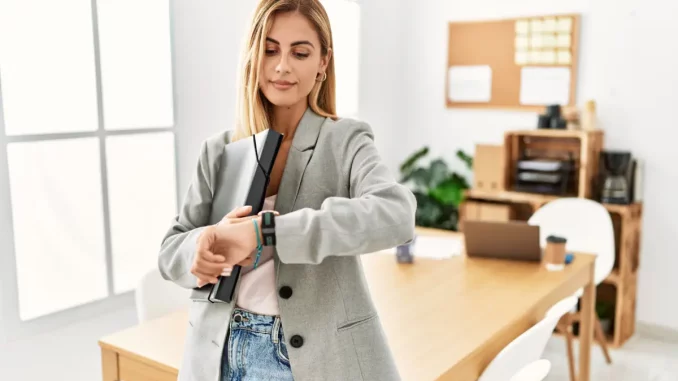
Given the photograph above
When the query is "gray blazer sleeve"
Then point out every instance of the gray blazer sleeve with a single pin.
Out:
(178, 246)
(378, 215)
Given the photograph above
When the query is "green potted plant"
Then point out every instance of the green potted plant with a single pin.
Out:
(438, 190)
(605, 310)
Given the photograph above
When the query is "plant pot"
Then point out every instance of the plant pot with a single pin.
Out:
(606, 324)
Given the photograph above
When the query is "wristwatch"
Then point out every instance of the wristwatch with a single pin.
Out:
(268, 228)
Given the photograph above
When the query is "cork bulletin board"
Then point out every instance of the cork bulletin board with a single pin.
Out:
(521, 63)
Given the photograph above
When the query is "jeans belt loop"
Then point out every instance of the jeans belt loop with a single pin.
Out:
(275, 330)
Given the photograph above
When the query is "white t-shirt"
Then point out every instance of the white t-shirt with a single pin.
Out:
(257, 292)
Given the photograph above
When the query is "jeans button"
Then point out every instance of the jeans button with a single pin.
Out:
(237, 318)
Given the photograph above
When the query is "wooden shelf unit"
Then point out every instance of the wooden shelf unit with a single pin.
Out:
(623, 279)
(582, 147)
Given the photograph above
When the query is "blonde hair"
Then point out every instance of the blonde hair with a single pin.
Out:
(253, 110)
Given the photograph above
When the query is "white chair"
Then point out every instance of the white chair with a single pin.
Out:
(536, 371)
(528, 347)
(155, 296)
(587, 226)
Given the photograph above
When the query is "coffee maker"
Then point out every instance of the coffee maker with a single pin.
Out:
(616, 179)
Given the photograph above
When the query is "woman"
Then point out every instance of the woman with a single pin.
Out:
(302, 310)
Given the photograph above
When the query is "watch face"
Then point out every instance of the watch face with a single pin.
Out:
(268, 218)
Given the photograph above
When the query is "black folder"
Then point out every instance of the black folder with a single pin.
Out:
(238, 168)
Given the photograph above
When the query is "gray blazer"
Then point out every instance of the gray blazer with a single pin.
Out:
(337, 200)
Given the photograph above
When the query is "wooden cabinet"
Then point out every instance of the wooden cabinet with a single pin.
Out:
(626, 220)
(488, 167)
(486, 211)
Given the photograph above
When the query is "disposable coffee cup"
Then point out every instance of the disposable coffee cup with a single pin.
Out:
(554, 255)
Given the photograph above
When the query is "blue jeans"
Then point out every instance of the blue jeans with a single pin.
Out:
(255, 349)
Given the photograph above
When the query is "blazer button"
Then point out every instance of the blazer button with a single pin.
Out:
(297, 341)
(285, 292)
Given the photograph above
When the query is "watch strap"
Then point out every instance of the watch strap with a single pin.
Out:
(268, 228)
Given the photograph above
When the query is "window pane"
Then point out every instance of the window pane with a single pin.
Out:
(345, 17)
(136, 64)
(142, 197)
(58, 224)
(47, 66)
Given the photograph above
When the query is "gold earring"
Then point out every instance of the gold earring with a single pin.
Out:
(323, 78)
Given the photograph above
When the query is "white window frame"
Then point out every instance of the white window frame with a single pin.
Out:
(11, 326)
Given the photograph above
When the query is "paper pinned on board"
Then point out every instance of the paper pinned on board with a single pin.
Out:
(522, 27)
(433, 247)
(537, 41)
(549, 41)
(544, 86)
(548, 56)
(522, 43)
(564, 57)
(437, 247)
(470, 83)
(536, 25)
(522, 58)
(563, 40)
(564, 25)
(534, 57)
(549, 25)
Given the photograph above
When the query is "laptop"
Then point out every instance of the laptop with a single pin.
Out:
(515, 240)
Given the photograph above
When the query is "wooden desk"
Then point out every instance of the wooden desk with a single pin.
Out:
(151, 351)
(444, 319)
(447, 319)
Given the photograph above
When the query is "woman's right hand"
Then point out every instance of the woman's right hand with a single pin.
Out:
(208, 266)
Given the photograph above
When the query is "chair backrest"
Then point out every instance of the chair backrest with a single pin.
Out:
(528, 347)
(585, 224)
(155, 296)
(536, 371)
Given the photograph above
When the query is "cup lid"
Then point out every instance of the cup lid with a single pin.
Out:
(555, 239)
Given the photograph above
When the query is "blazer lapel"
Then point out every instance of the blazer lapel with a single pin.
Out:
(303, 143)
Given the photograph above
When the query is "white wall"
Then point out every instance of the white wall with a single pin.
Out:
(383, 26)
(207, 39)
(627, 64)
(634, 78)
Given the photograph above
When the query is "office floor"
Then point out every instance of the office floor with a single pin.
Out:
(640, 359)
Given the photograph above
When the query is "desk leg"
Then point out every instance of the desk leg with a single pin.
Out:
(109, 364)
(588, 302)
